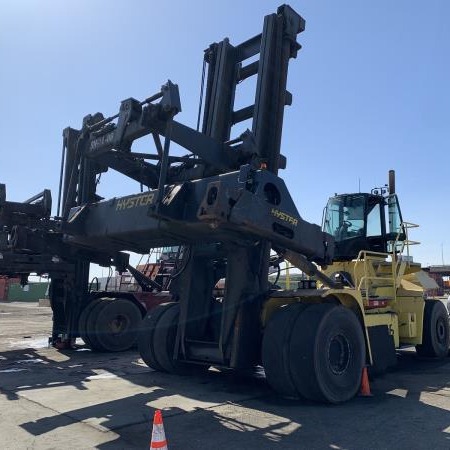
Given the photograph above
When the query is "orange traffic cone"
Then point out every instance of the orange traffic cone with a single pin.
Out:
(158, 436)
(365, 386)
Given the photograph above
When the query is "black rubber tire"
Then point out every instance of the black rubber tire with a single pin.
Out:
(275, 349)
(117, 325)
(327, 353)
(145, 338)
(91, 324)
(82, 321)
(436, 333)
(164, 343)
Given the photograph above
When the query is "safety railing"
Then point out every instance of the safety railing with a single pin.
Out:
(399, 260)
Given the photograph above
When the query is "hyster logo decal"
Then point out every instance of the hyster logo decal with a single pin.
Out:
(102, 141)
(133, 202)
(283, 216)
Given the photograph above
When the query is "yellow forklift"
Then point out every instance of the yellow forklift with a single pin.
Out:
(370, 302)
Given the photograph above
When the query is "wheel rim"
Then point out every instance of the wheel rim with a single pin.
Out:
(116, 325)
(119, 324)
(441, 331)
(339, 354)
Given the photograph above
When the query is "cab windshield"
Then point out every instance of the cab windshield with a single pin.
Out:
(344, 217)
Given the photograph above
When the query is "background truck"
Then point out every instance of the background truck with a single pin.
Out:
(225, 205)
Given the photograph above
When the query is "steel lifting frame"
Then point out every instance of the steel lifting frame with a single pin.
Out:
(207, 201)
(223, 200)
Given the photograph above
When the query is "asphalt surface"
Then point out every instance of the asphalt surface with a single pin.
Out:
(83, 400)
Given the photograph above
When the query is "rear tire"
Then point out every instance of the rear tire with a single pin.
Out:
(275, 349)
(436, 335)
(327, 353)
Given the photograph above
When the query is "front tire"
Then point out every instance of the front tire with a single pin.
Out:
(275, 349)
(164, 342)
(146, 344)
(156, 341)
(327, 353)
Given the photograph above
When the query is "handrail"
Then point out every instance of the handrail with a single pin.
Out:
(398, 263)
(397, 260)
(366, 256)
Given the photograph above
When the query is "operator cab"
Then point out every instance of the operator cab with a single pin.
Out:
(362, 221)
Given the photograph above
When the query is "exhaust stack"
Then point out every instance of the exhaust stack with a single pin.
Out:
(392, 182)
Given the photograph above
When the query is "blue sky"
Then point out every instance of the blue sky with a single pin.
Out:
(371, 91)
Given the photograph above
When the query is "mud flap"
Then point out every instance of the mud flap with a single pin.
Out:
(383, 349)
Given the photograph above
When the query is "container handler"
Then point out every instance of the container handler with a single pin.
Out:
(226, 205)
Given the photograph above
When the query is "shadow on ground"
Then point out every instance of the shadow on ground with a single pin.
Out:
(409, 409)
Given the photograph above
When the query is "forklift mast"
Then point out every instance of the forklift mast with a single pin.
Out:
(223, 200)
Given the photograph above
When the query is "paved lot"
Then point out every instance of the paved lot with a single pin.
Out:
(55, 400)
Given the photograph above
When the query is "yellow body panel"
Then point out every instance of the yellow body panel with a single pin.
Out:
(410, 308)
(375, 279)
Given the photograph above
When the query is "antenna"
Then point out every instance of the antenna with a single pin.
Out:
(359, 185)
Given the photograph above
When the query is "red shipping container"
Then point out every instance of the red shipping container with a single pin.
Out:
(3, 288)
